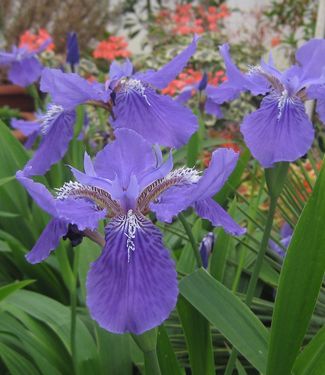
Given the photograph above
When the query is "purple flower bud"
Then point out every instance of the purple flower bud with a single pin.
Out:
(204, 82)
(72, 50)
(206, 247)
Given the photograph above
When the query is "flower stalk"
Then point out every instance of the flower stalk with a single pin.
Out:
(147, 342)
(73, 305)
(191, 238)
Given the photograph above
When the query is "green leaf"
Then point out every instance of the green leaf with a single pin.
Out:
(33, 339)
(300, 281)
(16, 363)
(198, 338)
(312, 360)
(5, 180)
(166, 355)
(8, 215)
(11, 288)
(229, 315)
(57, 317)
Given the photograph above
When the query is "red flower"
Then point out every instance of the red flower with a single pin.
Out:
(275, 41)
(112, 48)
(32, 41)
(190, 77)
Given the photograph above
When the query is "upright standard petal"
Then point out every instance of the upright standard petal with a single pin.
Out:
(117, 71)
(158, 118)
(278, 132)
(132, 287)
(311, 57)
(25, 72)
(161, 78)
(130, 154)
(48, 241)
(69, 89)
(53, 145)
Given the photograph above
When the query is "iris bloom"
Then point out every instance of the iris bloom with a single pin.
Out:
(138, 106)
(134, 99)
(280, 129)
(57, 124)
(132, 286)
(24, 66)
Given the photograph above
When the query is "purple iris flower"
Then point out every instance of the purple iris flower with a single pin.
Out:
(280, 129)
(210, 106)
(286, 235)
(24, 66)
(73, 56)
(138, 106)
(132, 286)
(57, 124)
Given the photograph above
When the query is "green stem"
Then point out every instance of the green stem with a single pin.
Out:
(73, 304)
(33, 92)
(151, 363)
(260, 256)
(189, 233)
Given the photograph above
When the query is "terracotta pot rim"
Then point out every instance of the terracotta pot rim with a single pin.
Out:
(8, 89)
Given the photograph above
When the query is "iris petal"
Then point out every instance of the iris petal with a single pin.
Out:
(81, 212)
(158, 118)
(274, 136)
(53, 145)
(38, 192)
(161, 78)
(25, 72)
(128, 155)
(135, 294)
(212, 211)
(69, 89)
(48, 241)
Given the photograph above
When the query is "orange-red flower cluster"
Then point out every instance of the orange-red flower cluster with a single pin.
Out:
(189, 19)
(112, 48)
(190, 77)
(32, 41)
(275, 41)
